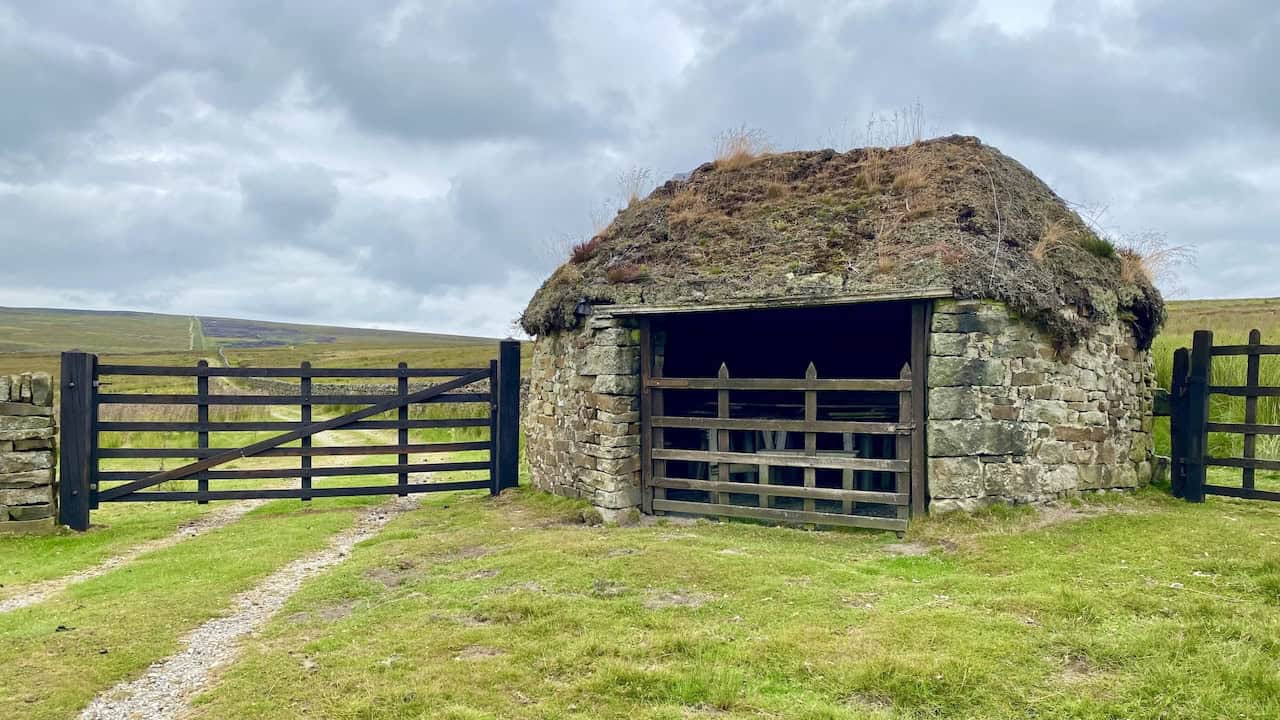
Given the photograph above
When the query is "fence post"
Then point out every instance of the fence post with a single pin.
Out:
(1252, 367)
(1197, 430)
(495, 486)
(77, 415)
(1178, 423)
(508, 441)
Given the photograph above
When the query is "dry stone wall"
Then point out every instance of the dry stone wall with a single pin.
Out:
(1011, 419)
(582, 416)
(27, 457)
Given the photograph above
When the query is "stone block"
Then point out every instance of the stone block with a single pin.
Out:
(31, 512)
(1007, 479)
(619, 466)
(616, 384)
(602, 360)
(25, 422)
(16, 462)
(1053, 452)
(4, 388)
(1005, 412)
(1053, 412)
(24, 409)
(956, 371)
(626, 417)
(26, 479)
(25, 496)
(955, 477)
(953, 403)
(611, 403)
(41, 389)
(953, 438)
(948, 343)
(1027, 378)
(1008, 348)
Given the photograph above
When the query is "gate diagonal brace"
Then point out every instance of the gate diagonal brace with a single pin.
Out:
(312, 429)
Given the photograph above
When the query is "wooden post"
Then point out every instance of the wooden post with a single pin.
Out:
(657, 405)
(304, 392)
(494, 486)
(902, 481)
(921, 317)
(646, 418)
(508, 414)
(810, 437)
(202, 435)
(1251, 406)
(78, 417)
(1178, 423)
(1198, 414)
(402, 433)
(723, 469)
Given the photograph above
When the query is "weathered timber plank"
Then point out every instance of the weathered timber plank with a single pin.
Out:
(315, 451)
(765, 489)
(778, 459)
(779, 515)
(869, 385)
(763, 424)
(281, 372)
(266, 473)
(303, 494)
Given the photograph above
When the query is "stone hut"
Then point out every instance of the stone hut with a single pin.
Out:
(845, 339)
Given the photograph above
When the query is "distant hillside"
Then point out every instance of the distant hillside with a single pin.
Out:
(45, 330)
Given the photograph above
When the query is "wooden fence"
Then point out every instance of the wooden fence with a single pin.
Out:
(1190, 422)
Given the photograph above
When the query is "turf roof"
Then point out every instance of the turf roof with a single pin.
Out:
(950, 212)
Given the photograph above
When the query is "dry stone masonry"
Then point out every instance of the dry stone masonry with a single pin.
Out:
(27, 443)
(1012, 419)
(582, 418)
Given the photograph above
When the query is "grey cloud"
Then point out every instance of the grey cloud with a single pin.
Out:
(290, 199)
(412, 159)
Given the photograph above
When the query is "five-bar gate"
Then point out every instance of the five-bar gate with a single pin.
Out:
(490, 397)
(1191, 390)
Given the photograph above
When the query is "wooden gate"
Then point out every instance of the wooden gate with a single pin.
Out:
(1191, 391)
(493, 390)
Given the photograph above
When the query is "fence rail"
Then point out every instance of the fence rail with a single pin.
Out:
(1190, 424)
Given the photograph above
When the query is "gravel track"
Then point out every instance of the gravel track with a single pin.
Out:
(41, 591)
(165, 689)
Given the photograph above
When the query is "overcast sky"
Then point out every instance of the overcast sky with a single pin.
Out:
(419, 164)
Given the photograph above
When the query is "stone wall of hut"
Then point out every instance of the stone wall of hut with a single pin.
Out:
(582, 415)
(1010, 418)
(1013, 420)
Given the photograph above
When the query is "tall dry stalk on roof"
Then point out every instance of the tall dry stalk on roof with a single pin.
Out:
(739, 146)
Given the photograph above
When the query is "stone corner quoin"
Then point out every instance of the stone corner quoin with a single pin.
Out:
(28, 439)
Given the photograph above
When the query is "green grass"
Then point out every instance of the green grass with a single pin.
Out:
(1231, 321)
(479, 609)
(57, 655)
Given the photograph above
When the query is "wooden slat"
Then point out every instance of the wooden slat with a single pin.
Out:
(1256, 463)
(780, 515)
(1247, 493)
(764, 424)
(871, 385)
(722, 435)
(1243, 391)
(902, 446)
(305, 415)
(921, 322)
(280, 372)
(797, 301)
(156, 399)
(303, 452)
(1251, 408)
(75, 447)
(250, 426)
(273, 493)
(1250, 349)
(1197, 414)
(1256, 429)
(289, 437)
(202, 437)
(778, 459)
(765, 489)
(810, 437)
(277, 473)
(402, 434)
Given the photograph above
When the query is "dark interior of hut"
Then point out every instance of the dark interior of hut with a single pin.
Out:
(870, 341)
